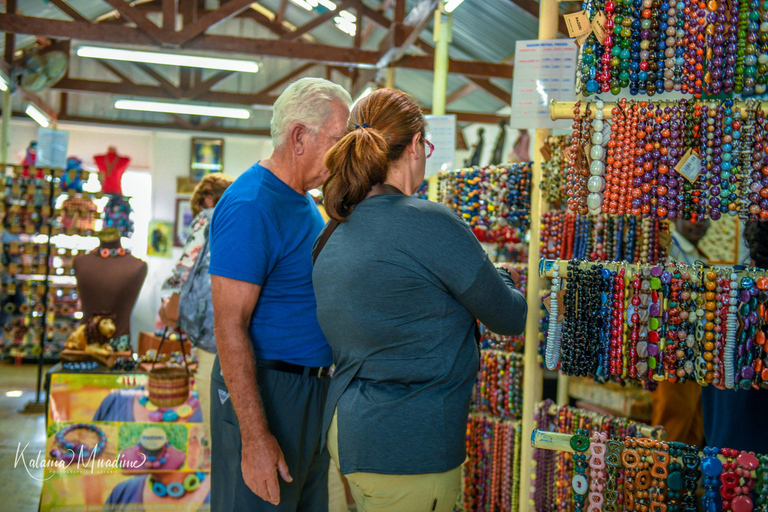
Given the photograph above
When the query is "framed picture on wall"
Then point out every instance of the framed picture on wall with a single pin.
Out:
(183, 221)
(207, 157)
(159, 239)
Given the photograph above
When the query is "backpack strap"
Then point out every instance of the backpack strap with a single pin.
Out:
(324, 236)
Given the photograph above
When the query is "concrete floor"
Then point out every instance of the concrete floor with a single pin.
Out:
(21, 486)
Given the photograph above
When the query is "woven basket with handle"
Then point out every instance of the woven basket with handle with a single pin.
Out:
(168, 387)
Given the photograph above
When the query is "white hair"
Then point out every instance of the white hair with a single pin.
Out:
(307, 101)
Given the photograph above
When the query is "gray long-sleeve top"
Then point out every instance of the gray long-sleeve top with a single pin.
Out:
(398, 288)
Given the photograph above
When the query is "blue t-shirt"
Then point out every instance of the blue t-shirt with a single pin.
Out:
(262, 232)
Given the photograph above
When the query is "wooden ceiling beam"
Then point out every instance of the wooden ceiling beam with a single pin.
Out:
(14, 23)
(194, 128)
(156, 92)
(164, 83)
(532, 8)
(10, 37)
(287, 78)
(157, 34)
(402, 35)
(475, 117)
(170, 7)
(228, 10)
(68, 10)
(460, 93)
(112, 69)
(280, 15)
(207, 85)
(316, 22)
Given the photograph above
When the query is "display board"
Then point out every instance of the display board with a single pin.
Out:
(544, 70)
(105, 452)
(441, 132)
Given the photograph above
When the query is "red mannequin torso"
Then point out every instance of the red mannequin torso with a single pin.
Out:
(112, 166)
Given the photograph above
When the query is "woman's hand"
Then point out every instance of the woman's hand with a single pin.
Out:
(512, 272)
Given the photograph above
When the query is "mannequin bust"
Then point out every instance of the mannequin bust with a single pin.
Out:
(498, 150)
(30, 157)
(477, 149)
(110, 283)
(111, 166)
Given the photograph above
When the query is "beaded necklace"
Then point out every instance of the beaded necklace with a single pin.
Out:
(762, 484)
(597, 472)
(762, 60)
(596, 183)
(731, 47)
(553, 339)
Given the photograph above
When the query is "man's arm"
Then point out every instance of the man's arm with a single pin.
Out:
(262, 458)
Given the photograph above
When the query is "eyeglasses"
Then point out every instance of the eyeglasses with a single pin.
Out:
(430, 147)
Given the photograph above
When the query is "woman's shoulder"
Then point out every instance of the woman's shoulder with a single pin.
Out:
(429, 209)
(433, 215)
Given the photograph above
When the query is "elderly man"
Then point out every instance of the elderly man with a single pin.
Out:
(269, 380)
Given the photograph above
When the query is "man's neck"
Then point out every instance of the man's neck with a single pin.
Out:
(280, 167)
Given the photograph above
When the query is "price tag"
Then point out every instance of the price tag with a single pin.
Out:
(578, 24)
(689, 166)
(598, 26)
(546, 151)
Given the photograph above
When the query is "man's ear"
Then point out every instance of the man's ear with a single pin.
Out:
(298, 138)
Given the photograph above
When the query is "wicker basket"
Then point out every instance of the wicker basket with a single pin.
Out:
(168, 387)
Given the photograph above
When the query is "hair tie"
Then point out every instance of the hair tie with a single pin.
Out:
(364, 125)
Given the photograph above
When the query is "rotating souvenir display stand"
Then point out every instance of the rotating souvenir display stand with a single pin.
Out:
(494, 201)
(42, 220)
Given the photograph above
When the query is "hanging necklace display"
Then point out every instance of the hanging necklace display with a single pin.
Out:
(494, 200)
(662, 179)
(682, 323)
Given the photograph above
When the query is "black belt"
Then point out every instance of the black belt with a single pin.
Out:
(308, 371)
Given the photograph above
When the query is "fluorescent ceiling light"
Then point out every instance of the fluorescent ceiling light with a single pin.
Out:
(37, 115)
(15, 393)
(169, 59)
(451, 5)
(3, 83)
(183, 108)
(345, 21)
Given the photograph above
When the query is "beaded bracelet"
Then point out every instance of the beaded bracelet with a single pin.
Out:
(597, 472)
(70, 451)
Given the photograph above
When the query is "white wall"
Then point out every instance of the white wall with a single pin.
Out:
(163, 154)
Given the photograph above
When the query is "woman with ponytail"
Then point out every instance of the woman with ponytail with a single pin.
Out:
(399, 284)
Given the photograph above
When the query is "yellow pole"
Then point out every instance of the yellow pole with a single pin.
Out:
(442, 37)
(389, 81)
(5, 130)
(534, 375)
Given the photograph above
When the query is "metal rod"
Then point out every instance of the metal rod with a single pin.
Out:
(644, 430)
(545, 268)
(564, 109)
(556, 441)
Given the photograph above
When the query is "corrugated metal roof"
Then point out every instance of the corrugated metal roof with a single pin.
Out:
(483, 30)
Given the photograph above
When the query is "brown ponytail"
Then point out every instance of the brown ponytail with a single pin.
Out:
(380, 128)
